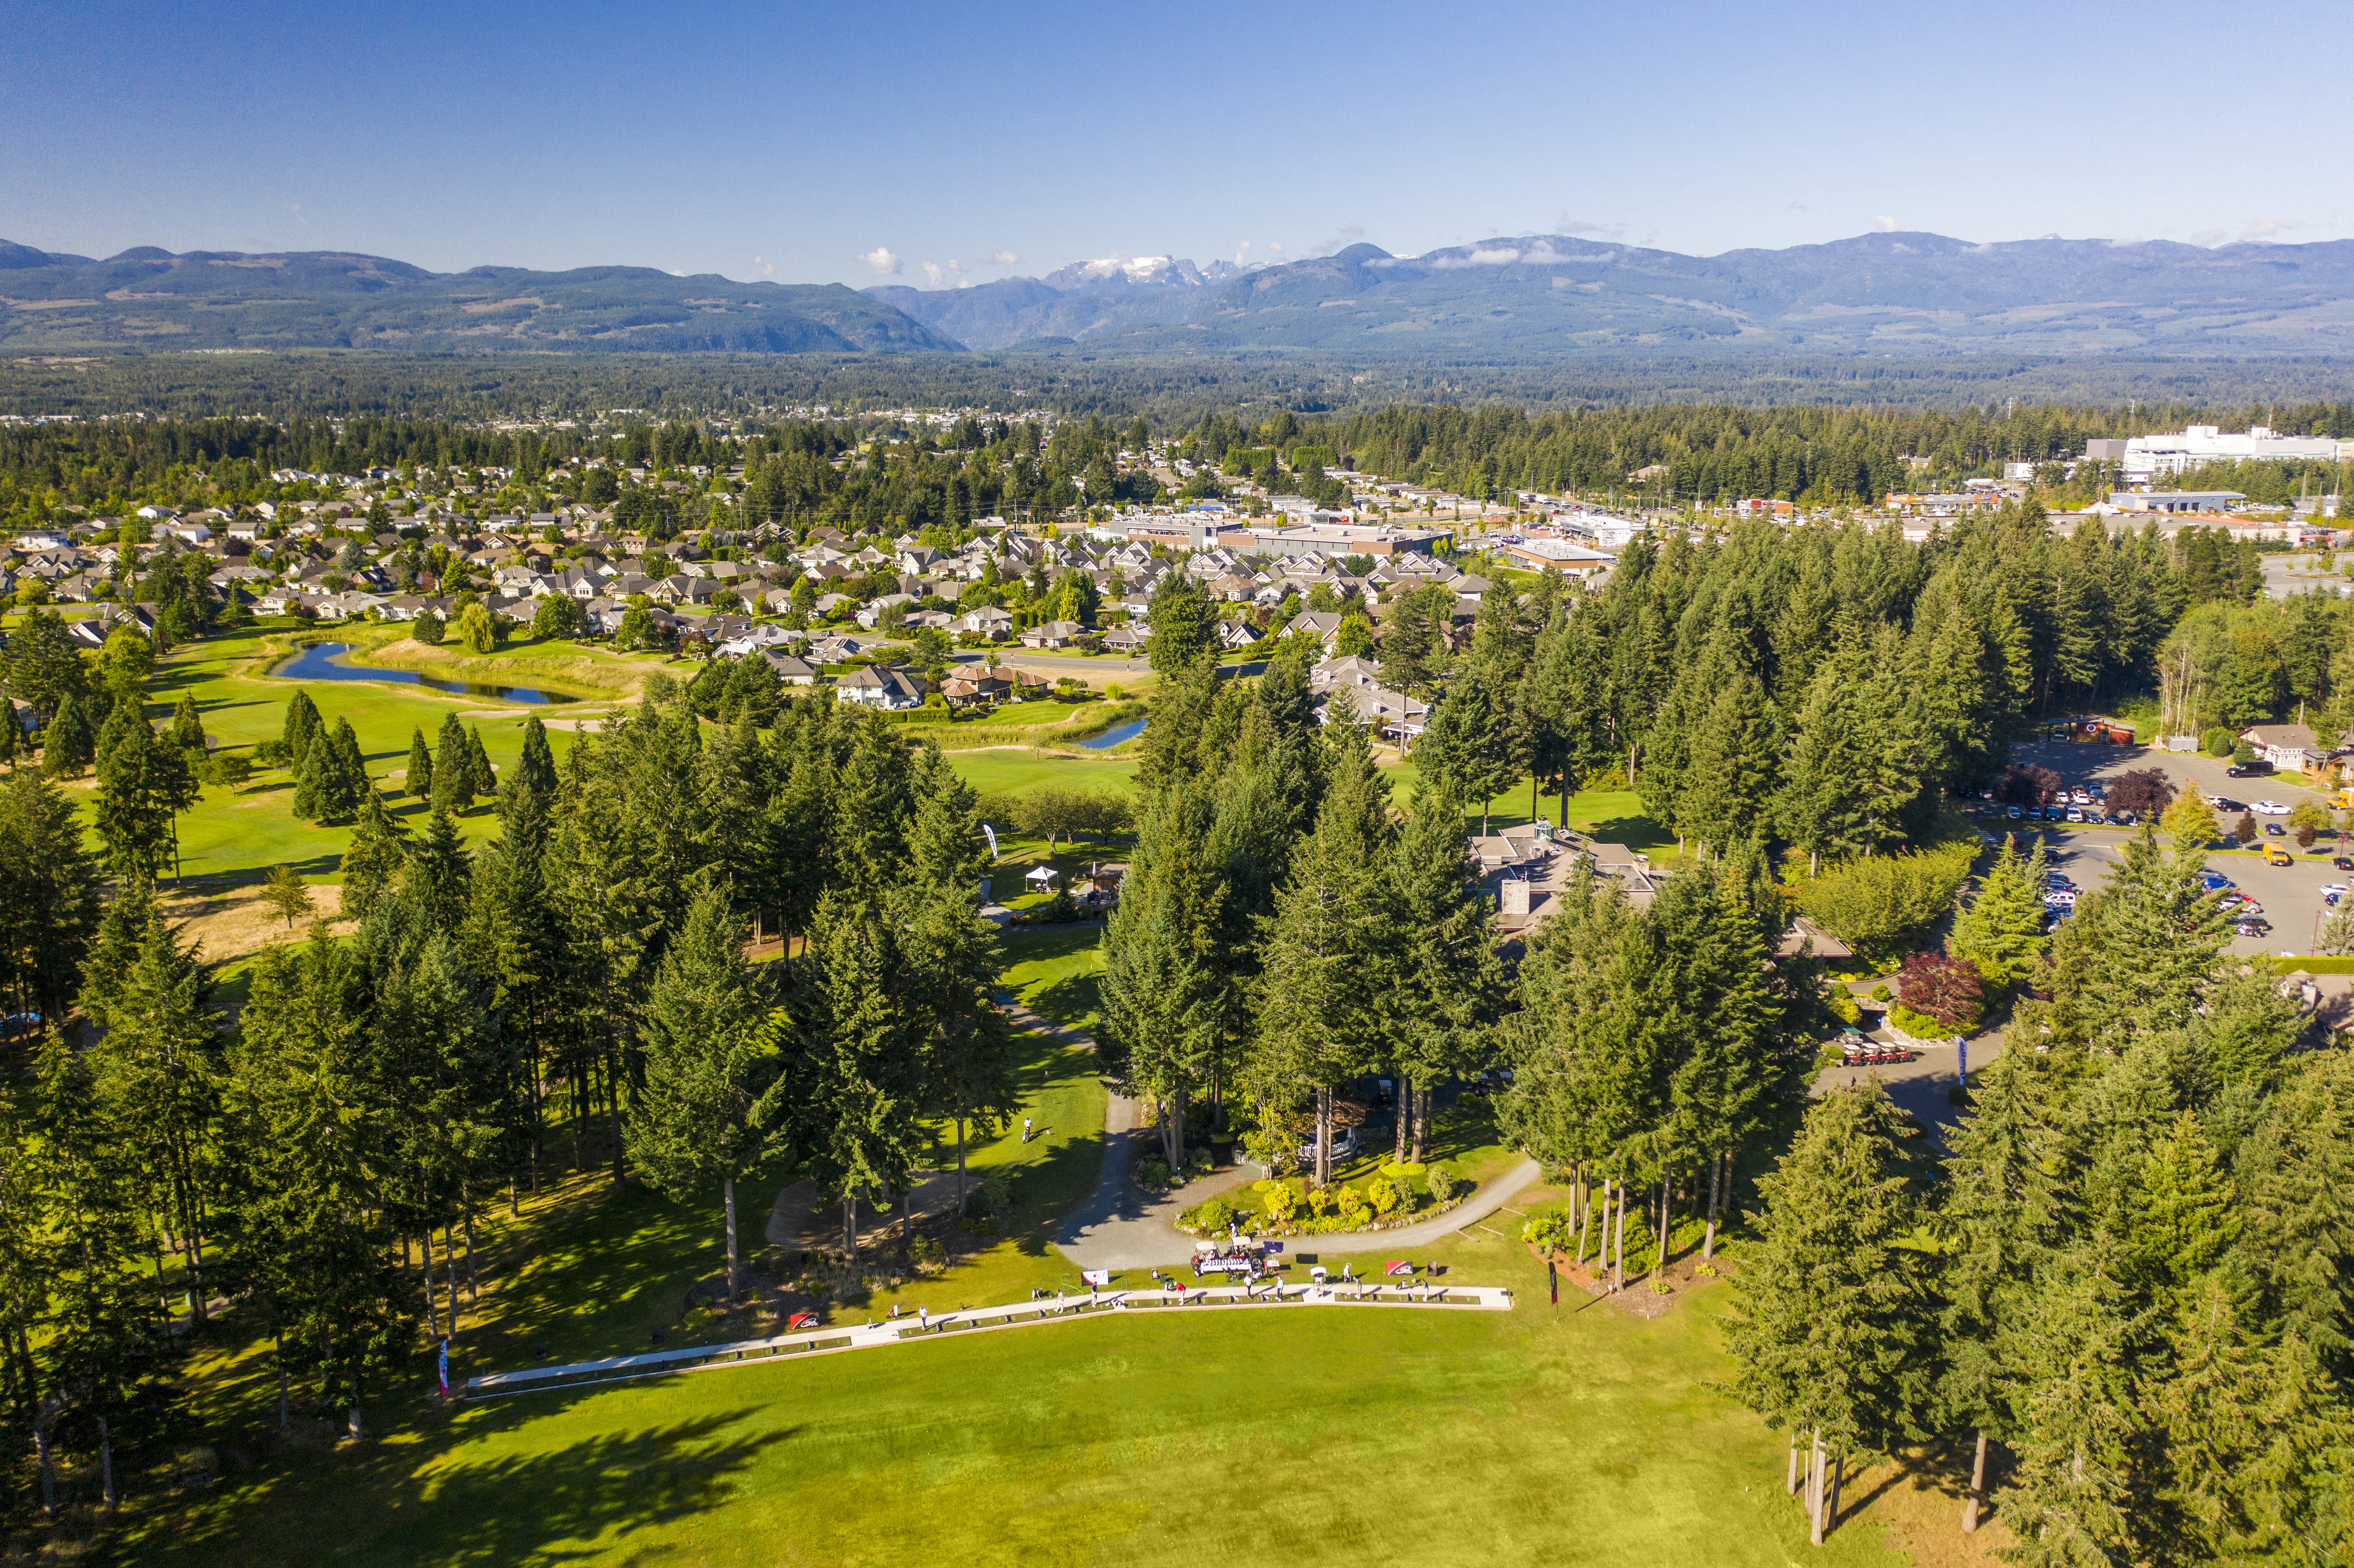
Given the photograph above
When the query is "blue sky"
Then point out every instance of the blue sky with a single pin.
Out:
(790, 142)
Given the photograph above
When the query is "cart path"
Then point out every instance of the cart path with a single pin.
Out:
(1120, 1226)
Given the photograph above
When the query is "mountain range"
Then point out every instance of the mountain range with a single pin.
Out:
(151, 298)
(1540, 296)
(1530, 299)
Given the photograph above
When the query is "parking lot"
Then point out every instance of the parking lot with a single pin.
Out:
(2290, 894)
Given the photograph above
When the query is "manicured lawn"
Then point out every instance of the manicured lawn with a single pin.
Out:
(237, 835)
(1054, 970)
(1012, 771)
(1313, 1436)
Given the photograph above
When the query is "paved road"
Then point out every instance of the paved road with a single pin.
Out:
(1120, 1226)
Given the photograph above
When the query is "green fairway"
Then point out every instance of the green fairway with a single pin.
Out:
(237, 835)
(1306, 1435)
(1016, 769)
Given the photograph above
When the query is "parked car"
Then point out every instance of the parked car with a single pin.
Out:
(2247, 770)
(2214, 879)
(2014, 813)
(2254, 928)
(2343, 861)
(2076, 815)
(2269, 808)
(2331, 892)
(2274, 830)
(2059, 898)
(1344, 1146)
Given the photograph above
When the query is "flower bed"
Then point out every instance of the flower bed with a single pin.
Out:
(1286, 1207)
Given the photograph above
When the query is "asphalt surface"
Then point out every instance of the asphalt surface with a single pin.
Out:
(2290, 894)
(2291, 573)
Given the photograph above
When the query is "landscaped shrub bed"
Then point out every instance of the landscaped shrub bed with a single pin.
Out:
(1289, 1206)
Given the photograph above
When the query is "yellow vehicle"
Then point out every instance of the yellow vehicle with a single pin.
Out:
(2276, 855)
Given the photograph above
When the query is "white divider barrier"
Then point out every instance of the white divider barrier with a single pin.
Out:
(1062, 1308)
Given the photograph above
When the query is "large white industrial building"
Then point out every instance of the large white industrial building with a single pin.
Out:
(2149, 458)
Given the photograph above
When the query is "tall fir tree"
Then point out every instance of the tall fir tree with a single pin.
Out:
(419, 781)
(698, 1119)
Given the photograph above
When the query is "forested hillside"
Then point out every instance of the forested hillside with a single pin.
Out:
(227, 300)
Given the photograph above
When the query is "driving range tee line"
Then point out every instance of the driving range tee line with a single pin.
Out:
(1020, 1314)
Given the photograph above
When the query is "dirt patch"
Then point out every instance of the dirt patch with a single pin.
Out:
(1917, 1498)
(801, 1222)
(233, 924)
(1643, 1296)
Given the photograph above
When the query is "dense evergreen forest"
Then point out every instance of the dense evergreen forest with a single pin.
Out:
(1074, 379)
(925, 474)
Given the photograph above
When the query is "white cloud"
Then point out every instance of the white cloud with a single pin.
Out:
(768, 269)
(1002, 259)
(880, 262)
(1568, 225)
(1354, 230)
(1274, 249)
(1242, 252)
(2209, 235)
(1885, 224)
(1541, 254)
(2267, 228)
(933, 273)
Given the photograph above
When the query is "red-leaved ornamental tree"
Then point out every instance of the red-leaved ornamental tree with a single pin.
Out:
(1940, 986)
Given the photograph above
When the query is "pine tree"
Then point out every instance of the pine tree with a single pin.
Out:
(945, 844)
(2001, 928)
(856, 1094)
(374, 860)
(66, 745)
(302, 726)
(1735, 768)
(2006, 1208)
(125, 713)
(187, 725)
(418, 783)
(342, 779)
(536, 769)
(968, 1069)
(439, 868)
(453, 768)
(486, 777)
(311, 766)
(48, 900)
(107, 1357)
(159, 1067)
(872, 807)
(2297, 1235)
(1317, 1024)
(316, 1130)
(1160, 997)
(1830, 1337)
(140, 788)
(699, 1116)
(2141, 950)
(1440, 972)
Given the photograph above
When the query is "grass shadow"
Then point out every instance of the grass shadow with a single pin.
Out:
(373, 1503)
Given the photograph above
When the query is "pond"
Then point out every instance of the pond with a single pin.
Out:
(1114, 735)
(324, 661)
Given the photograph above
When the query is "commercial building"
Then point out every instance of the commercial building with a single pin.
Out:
(1342, 539)
(1560, 555)
(2149, 458)
(2171, 500)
